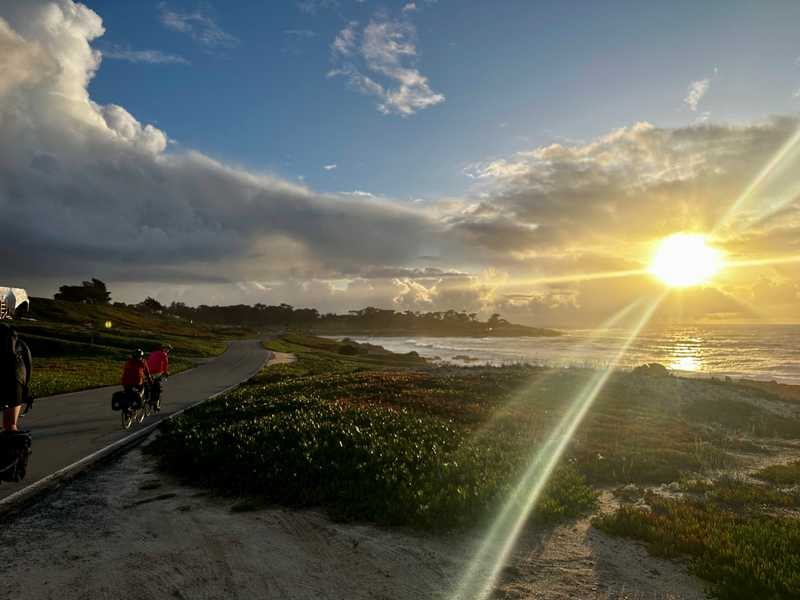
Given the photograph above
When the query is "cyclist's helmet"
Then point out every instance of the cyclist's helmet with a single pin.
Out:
(138, 353)
(167, 347)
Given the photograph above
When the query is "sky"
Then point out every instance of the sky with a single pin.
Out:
(419, 155)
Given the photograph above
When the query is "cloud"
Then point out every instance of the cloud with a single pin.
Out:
(386, 49)
(87, 188)
(695, 93)
(551, 209)
(329, 167)
(153, 57)
(344, 44)
(658, 179)
(198, 25)
(410, 7)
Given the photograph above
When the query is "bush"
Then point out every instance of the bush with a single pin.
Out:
(781, 474)
(391, 466)
(743, 556)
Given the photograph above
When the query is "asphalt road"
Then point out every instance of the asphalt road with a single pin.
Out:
(68, 427)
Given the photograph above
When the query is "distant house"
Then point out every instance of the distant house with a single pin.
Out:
(13, 301)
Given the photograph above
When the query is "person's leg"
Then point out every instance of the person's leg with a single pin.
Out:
(12, 410)
(10, 417)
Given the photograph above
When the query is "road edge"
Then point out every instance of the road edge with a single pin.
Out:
(23, 498)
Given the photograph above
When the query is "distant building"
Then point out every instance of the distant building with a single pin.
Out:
(12, 301)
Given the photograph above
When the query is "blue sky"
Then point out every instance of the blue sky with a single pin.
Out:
(420, 154)
(515, 75)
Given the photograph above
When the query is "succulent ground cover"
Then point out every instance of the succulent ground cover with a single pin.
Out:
(394, 439)
(788, 474)
(742, 552)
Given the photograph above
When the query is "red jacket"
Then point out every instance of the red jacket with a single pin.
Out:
(158, 362)
(135, 372)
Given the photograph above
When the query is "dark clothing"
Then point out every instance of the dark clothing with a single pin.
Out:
(14, 395)
(16, 375)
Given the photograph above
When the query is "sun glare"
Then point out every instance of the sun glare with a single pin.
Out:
(684, 259)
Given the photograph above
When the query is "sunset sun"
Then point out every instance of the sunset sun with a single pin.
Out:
(683, 260)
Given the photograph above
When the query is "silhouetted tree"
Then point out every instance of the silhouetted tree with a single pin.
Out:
(89, 292)
(151, 304)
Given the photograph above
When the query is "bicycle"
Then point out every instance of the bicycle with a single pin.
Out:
(135, 407)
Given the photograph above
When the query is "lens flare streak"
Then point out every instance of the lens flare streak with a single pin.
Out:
(763, 175)
(475, 583)
(522, 395)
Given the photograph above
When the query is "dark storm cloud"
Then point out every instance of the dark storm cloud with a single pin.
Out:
(86, 187)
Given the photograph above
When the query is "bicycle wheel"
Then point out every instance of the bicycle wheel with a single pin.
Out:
(146, 409)
(127, 418)
(141, 412)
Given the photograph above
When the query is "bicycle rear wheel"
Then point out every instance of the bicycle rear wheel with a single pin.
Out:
(141, 412)
(127, 418)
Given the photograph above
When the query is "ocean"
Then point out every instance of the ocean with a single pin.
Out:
(765, 352)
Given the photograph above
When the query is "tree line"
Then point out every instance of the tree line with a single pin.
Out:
(284, 316)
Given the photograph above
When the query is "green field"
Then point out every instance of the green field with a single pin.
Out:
(73, 349)
(393, 439)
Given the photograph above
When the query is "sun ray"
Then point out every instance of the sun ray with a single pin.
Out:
(508, 524)
(521, 395)
(780, 156)
(760, 262)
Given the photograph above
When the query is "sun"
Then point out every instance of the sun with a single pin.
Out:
(685, 259)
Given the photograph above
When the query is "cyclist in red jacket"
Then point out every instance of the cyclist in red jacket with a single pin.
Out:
(158, 361)
(135, 373)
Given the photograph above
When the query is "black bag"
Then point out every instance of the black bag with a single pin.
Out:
(15, 449)
(119, 400)
(135, 400)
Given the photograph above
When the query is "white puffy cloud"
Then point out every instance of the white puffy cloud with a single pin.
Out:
(695, 93)
(385, 49)
(87, 188)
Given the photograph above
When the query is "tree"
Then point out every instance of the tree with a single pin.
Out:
(89, 292)
(152, 305)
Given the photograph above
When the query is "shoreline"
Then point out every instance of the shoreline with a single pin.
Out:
(489, 351)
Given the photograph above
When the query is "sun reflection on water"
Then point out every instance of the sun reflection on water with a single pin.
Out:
(686, 363)
(686, 354)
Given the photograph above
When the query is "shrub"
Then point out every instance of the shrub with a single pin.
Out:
(788, 474)
(391, 466)
(743, 556)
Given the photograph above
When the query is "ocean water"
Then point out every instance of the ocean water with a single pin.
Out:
(766, 352)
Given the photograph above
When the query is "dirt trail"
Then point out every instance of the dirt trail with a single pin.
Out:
(127, 531)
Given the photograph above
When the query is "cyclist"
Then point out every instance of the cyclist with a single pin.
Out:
(15, 375)
(158, 362)
(135, 373)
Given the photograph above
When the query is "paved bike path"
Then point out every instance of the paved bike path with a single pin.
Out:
(68, 427)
